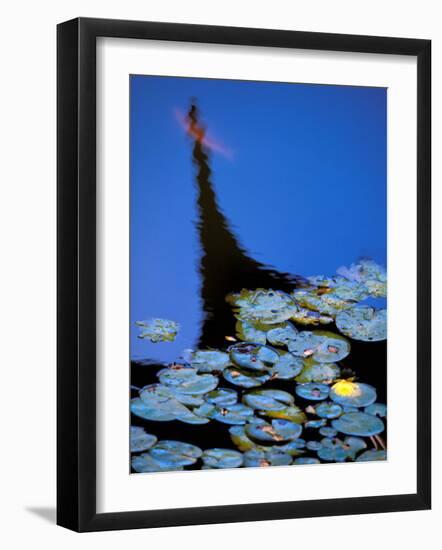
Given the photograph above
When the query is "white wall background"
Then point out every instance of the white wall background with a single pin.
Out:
(27, 299)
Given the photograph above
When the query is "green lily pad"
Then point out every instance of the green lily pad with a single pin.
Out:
(145, 463)
(328, 410)
(240, 439)
(157, 402)
(207, 361)
(370, 274)
(292, 413)
(250, 332)
(278, 431)
(313, 392)
(308, 317)
(355, 394)
(140, 440)
(222, 458)
(186, 380)
(326, 431)
(358, 423)
(282, 334)
(236, 413)
(259, 458)
(175, 453)
(322, 346)
(371, 455)
(274, 400)
(158, 330)
(363, 323)
(253, 356)
(336, 450)
(287, 367)
(318, 372)
(377, 409)
(263, 306)
(306, 460)
(222, 397)
(244, 378)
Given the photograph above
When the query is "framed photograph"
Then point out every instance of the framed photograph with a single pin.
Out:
(243, 274)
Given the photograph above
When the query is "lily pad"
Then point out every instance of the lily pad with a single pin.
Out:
(278, 431)
(241, 439)
(222, 458)
(253, 356)
(328, 410)
(313, 392)
(292, 413)
(274, 400)
(358, 423)
(157, 402)
(287, 367)
(371, 455)
(315, 424)
(140, 440)
(222, 397)
(322, 346)
(377, 409)
(228, 414)
(158, 330)
(258, 458)
(336, 450)
(318, 372)
(306, 460)
(145, 463)
(175, 453)
(263, 306)
(244, 378)
(207, 361)
(186, 380)
(355, 394)
(308, 317)
(248, 332)
(282, 334)
(363, 323)
(326, 431)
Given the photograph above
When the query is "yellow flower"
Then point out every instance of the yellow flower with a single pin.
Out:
(346, 388)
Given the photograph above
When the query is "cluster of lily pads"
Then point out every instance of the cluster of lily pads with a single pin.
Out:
(279, 336)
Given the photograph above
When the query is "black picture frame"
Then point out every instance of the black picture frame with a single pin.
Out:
(76, 272)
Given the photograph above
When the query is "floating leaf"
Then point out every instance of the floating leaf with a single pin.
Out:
(322, 346)
(241, 439)
(292, 413)
(282, 334)
(158, 403)
(355, 394)
(314, 424)
(210, 360)
(263, 306)
(335, 450)
(140, 440)
(326, 431)
(313, 445)
(244, 378)
(250, 332)
(236, 413)
(158, 330)
(222, 397)
(306, 460)
(313, 392)
(377, 409)
(328, 410)
(358, 423)
(259, 458)
(274, 400)
(277, 432)
(146, 463)
(318, 372)
(307, 317)
(186, 380)
(287, 367)
(253, 356)
(222, 458)
(363, 323)
(175, 453)
(372, 454)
